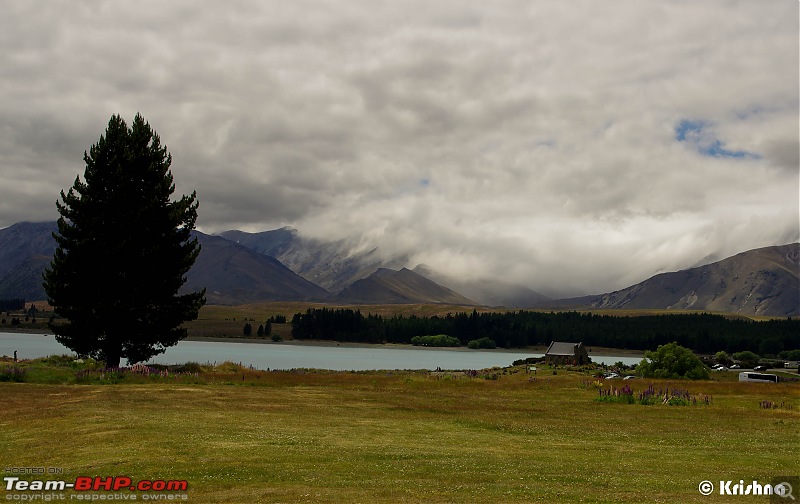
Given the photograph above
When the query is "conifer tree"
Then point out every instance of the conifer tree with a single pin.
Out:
(123, 251)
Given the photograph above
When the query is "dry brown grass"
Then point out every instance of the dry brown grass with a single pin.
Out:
(403, 437)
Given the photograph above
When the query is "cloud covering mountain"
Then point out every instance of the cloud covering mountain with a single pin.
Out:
(569, 146)
(240, 268)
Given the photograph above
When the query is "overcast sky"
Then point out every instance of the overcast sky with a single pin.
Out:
(574, 147)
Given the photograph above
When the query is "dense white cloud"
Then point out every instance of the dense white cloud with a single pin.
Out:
(571, 146)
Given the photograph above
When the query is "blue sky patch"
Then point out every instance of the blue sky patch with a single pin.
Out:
(700, 135)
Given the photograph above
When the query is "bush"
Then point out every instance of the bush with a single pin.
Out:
(723, 358)
(440, 340)
(482, 343)
(747, 358)
(792, 355)
(277, 338)
(189, 367)
(672, 361)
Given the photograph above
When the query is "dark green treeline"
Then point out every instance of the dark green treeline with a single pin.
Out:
(702, 333)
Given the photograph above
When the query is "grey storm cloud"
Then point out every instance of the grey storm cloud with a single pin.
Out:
(571, 146)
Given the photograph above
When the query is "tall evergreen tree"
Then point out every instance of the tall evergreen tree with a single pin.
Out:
(123, 252)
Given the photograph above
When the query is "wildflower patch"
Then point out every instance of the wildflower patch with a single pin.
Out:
(128, 374)
(12, 374)
(664, 396)
(770, 405)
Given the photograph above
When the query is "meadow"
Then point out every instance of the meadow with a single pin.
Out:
(504, 435)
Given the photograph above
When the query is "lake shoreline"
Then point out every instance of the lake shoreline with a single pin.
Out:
(539, 349)
(312, 354)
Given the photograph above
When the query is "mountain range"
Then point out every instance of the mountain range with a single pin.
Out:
(759, 282)
(331, 265)
(237, 267)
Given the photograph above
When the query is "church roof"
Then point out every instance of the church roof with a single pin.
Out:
(562, 348)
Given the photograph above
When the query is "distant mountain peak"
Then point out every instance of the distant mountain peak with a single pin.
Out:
(423, 269)
(387, 286)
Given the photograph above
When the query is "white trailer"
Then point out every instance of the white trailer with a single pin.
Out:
(749, 376)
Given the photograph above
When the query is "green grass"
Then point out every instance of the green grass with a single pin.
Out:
(239, 435)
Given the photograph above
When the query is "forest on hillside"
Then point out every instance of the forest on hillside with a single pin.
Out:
(703, 333)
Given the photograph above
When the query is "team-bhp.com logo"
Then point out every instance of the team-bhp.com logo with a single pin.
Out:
(94, 484)
(781, 489)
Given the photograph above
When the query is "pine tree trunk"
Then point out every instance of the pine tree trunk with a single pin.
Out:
(112, 356)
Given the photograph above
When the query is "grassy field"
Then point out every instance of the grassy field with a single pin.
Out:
(239, 435)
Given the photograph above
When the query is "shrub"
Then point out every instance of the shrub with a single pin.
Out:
(482, 343)
(189, 367)
(747, 358)
(723, 358)
(672, 361)
(792, 355)
(277, 338)
(440, 340)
